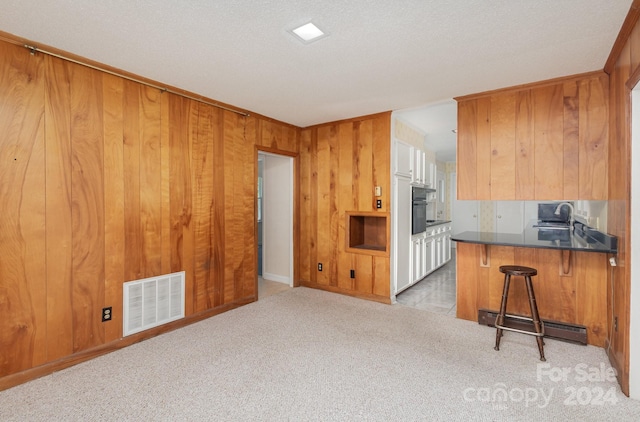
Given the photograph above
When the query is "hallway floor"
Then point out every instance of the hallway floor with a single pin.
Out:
(436, 292)
(267, 288)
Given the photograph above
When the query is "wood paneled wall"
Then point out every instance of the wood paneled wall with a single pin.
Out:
(576, 298)
(623, 67)
(104, 180)
(542, 141)
(340, 164)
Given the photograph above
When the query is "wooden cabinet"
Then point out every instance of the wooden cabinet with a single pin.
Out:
(542, 141)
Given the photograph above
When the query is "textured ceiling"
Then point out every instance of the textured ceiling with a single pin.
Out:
(379, 56)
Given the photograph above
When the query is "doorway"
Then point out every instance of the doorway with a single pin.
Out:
(275, 223)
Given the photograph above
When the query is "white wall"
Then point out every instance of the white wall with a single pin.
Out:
(277, 243)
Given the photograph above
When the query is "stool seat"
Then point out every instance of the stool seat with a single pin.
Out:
(538, 325)
(518, 270)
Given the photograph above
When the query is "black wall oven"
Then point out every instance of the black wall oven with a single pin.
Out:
(418, 210)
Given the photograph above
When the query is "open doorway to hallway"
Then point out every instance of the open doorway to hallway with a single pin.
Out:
(275, 223)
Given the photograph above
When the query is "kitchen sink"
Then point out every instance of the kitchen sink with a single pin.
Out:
(548, 225)
(548, 233)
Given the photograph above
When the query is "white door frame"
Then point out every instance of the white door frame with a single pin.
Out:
(283, 278)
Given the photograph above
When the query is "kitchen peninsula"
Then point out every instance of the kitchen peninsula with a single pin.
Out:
(572, 274)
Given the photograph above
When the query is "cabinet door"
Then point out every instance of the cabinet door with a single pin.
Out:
(509, 217)
(402, 233)
(403, 159)
(447, 247)
(417, 259)
(429, 249)
(418, 168)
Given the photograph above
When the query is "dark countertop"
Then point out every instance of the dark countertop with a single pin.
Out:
(437, 222)
(582, 238)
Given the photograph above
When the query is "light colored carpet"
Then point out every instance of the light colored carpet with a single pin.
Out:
(311, 355)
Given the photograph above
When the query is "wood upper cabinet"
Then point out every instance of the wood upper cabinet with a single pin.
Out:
(540, 142)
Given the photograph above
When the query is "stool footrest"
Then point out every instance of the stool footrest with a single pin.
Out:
(531, 333)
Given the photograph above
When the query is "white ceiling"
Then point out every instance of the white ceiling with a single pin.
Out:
(380, 55)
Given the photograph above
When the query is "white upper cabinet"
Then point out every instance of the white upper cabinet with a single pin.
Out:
(402, 159)
(418, 173)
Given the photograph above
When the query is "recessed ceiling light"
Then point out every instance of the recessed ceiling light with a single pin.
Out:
(308, 33)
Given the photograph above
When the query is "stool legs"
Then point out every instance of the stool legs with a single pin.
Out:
(537, 325)
(503, 310)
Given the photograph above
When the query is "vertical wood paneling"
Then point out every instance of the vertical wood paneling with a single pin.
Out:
(181, 240)
(314, 240)
(307, 265)
(58, 194)
(203, 207)
(467, 260)
(334, 212)
(234, 211)
(594, 121)
(525, 157)
(22, 246)
(114, 227)
(548, 131)
(503, 154)
(483, 145)
(591, 304)
(382, 161)
(325, 243)
(106, 181)
(571, 141)
(618, 214)
(346, 160)
(363, 160)
(246, 131)
(87, 196)
(466, 153)
(347, 201)
(150, 182)
(165, 182)
(131, 168)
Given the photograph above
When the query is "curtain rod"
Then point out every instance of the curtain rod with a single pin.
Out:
(34, 49)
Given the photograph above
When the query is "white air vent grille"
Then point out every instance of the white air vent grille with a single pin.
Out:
(152, 301)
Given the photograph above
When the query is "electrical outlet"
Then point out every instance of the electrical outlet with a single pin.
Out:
(319, 266)
(106, 314)
(615, 324)
(378, 203)
(353, 274)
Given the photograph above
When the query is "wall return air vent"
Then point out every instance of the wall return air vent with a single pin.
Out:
(151, 302)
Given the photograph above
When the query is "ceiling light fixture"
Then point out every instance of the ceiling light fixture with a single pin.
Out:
(308, 33)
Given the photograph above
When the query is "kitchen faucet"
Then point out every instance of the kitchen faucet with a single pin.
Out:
(557, 212)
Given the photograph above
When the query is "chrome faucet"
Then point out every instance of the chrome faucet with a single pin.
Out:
(557, 212)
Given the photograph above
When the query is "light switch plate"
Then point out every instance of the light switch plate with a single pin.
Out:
(378, 191)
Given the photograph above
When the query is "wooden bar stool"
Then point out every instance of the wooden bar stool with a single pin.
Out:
(538, 325)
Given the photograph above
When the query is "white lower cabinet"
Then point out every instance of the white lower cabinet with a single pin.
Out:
(429, 251)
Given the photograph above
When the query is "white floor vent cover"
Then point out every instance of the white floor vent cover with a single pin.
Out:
(152, 301)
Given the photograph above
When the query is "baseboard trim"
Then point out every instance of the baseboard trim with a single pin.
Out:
(333, 289)
(275, 277)
(554, 329)
(30, 374)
